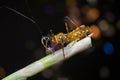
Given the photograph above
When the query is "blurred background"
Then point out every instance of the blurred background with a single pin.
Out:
(21, 37)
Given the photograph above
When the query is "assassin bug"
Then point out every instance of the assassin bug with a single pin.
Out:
(55, 42)
(74, 32)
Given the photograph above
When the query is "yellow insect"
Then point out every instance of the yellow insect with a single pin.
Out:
(59, 40)
(78, 33)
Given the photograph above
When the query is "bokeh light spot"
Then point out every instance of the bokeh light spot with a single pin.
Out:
(2, 72)
(106, 28)
(93, 14)
(104, 25)
(110, 32)
(71, 3)
(94, 29)
(85, 9)
(48, 73)
(108, 48)
(63, 78)
(92, 2)
(118, 24)
(104, 72)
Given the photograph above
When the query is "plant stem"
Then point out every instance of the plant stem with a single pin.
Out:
(38, 66)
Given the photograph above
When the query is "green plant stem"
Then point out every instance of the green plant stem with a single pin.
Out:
(38, 66)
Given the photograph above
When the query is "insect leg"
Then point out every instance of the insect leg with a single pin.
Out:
(42, 41)
(67, 27)
(62, 43)
(63, 49)
(45, 44)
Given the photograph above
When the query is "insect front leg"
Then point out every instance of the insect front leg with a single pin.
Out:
(44, 41)
(62, 43)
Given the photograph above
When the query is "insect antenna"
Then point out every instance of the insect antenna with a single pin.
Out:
(19, 13)
(30, 11)
(67, 27)
(68, 19)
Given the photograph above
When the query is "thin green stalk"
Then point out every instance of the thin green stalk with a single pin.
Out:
(38, 66)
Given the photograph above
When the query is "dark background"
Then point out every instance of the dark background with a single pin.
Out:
(21, 40)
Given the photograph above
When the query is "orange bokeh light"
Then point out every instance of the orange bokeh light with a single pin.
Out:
(96, 31)
(118, 24)
(2, 72)
(93, 14)
(71, 3)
